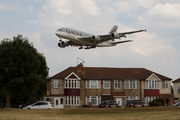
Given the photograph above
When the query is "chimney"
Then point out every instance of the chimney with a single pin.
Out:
(80, 67)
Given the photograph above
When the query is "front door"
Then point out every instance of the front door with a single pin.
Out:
(59, 102)
(119, 101)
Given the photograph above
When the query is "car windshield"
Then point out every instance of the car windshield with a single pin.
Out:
(137, 102)
(112, 102)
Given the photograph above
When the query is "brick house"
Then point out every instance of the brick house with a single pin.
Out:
(80, 86)
(176, 89)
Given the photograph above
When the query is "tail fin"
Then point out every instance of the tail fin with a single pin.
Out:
(114, 29)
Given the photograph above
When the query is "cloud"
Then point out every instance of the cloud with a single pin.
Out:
(8, 7)
(165, 15)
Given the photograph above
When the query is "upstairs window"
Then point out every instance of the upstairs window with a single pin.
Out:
(178, 90)
(165, 84)
(106, 84)
(56, 83)
(93, 84)
(151, 84)
(71, 83)
(117, 84)
(131, 84)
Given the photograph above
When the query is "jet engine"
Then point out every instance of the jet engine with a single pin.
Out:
(63, 44)
(95, 38)
(115, 35)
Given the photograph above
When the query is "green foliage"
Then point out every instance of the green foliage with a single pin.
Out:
(22, 69)
(172, 91)
(157, 102)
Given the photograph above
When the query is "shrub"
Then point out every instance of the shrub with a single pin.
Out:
(157, 102)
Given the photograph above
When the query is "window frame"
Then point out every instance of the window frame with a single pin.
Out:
(89, 85)
(72, 101)
(106, 82)
(152, 84)
(165, 83)
(131, 84)
(55, 83)
(117, 82)
(89, 99)
(178, 90)
(72, 83)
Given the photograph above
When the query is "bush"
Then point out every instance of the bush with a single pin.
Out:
(157, 102)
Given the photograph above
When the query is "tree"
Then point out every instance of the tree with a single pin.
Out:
(22, 68)
(172, 91)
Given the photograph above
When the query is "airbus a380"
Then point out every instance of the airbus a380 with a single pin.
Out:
(80, 38)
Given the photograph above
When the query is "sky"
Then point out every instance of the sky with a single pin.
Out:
(157, 49)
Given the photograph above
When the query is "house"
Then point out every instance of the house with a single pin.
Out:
(176, 89)
(88, 86)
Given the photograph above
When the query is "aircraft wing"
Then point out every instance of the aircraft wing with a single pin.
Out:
(114, 43)
(124, 33)
(106, 37)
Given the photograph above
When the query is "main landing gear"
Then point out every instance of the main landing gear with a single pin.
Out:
(81, 47)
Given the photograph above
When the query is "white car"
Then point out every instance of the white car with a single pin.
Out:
(40, 105)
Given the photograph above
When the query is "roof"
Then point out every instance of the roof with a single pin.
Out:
(176, 81)
(166, 95)
(109, 73)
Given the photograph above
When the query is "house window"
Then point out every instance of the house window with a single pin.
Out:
(132, 98)
(152, 84)
(56, 83)
(106, 84)
(117, 84)
(149, 99)
(95, 100)
(131, 84)
(165, 84)
(178, 90)
(93, 84)
(72, 100)
(71, 83)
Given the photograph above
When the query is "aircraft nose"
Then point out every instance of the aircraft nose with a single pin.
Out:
(56, 33)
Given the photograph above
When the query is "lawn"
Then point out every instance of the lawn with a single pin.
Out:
(148, 113)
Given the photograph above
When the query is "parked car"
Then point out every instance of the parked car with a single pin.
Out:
(135, 103)
(108, 104)
(176, 104)
(23, 105)
(39, 105)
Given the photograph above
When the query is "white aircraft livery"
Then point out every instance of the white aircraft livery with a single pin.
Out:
(80, 38)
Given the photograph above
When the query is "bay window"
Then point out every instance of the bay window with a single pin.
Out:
(151, 84)
(72, 100)
(72, 83)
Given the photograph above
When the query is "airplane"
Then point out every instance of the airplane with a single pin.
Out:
(80, 38)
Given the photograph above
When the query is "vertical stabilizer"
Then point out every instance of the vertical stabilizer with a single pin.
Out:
(114, 29)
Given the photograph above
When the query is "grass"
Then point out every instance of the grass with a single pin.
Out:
(148, 113)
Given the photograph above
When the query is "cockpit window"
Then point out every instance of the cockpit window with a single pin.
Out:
(59, 29)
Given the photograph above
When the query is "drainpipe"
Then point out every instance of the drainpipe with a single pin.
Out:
(140, 89)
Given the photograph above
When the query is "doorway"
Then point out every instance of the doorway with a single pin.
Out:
(59, 102)
(119, 101)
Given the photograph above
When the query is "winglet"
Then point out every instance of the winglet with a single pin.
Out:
(145, 30)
